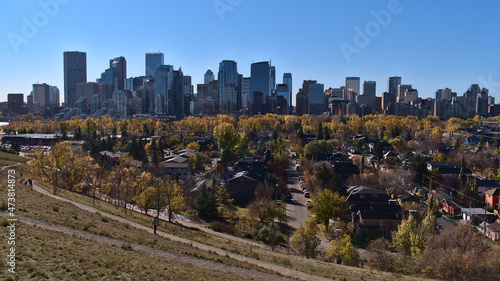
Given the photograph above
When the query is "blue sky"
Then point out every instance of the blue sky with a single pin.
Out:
(430, 44)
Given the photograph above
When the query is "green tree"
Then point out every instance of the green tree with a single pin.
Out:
(263, 207)
(326, 206)
(305, 242)
(343, 251)
(462, 176)
(320, 132)
(317, 147)
(227, 140)
(206, 203)
(243, 145)
(362, 165)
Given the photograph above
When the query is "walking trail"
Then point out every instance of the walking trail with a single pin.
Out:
(285, 271)
(198, 262)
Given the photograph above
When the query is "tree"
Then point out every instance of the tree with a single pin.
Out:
(169, 195)
(121, 183)
(462, 176)
(362, 165)
(305, 242)
(227, 140)
(382, 258)
(243, 145)
(326, 206)
(206, 203)
(263, 207)
(320, 132)
(317, 147)
(193, 145)
(343, 251)
(146, 198)
(63, 167)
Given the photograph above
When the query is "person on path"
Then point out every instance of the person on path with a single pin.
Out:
(155, 223)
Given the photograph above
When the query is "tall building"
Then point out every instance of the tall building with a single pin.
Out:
(302, 103)
(111, 77)
(439, 94)
(287, 79)
(402, 91)
(392, 87)
(260, 73)
(272, 77)
(75, 71)
(208, 77)
(163, 84)
(14, 103)
(54, 95)
(153, 60)
(482, 102)
(245, 94)
(446, 94)
(41, 95)
(175, 98)
(352, 84)
(316, 98)
(368, 96)
(471, 98)
(120, 64)
(282, 91)
(228, 80)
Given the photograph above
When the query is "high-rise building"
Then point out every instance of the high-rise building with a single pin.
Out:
(120, 64)
(316, 98)
(439, 94)
(163, 84)
(287, 79)
(15, 102)
(75, 71)
(41, 95)
(446, 94)
(175, 99)
(282, 91)
(245, 94)
(368, 96)
(392, 88)
(54, 95)
(153, 60)
(111, 77)
(302, 102)
(208, 77)
(261, 81)
(402, 91)
(411, 95)
(471, 98)
(352, 84)
(482, 102)
(228, 80)
(272, 77)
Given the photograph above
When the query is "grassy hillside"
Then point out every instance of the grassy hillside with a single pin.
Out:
(9, 159)
(33, 204)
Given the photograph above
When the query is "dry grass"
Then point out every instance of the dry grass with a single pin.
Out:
(42, 207)
(45, 255)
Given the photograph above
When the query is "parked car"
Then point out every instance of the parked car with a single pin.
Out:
(306, 194)
(308, 204)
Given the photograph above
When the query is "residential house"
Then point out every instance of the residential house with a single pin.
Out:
(493, 231)
(449, 207)
(477, 215)
(372, 212)
(242, 186)
(345, 169)
(176, 165)
(492, 198)
(447, 168)
(485, 185)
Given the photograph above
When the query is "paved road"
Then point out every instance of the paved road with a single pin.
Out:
(296, 210)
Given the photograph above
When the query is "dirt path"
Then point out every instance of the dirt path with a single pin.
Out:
(8, 166)
(198, 262)
(285, 271)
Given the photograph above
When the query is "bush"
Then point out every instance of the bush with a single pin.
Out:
(4, 206)
(216, 226)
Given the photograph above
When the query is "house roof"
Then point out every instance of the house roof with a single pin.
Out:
(494, 191)
(244, 174)
(379, 215)
(476, 211)
(174, 165)
(488, 183)
(360, 189)
(494, 227)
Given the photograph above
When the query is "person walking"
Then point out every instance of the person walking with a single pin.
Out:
(155, 223)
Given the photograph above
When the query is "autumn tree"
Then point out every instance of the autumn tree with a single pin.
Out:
(343, 251)
(227, 140)
(63, 167)
(326, 206)
(169, 195)
(305, 242)
(382, 257)
(121, 185)
(263, 206)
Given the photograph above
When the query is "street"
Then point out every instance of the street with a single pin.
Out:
(296, 209)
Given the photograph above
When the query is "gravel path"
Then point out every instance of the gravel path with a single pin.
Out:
(285, 271)
(198, 262)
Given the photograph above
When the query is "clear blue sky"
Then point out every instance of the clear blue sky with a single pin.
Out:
(430, 44)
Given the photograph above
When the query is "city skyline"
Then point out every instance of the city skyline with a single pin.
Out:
(437, 58)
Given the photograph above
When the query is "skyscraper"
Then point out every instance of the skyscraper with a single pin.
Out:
(75, 71)
(272, 77)
(392, 87)
(54, 95)
(175, 98)
(369, 91)
(402, 92)
(352, 84)
(40, 97)
(153, 60)
(287, 79)
(260, 73)
(316, 98)
(120, 64)
(163, 83)
(446, 94)
(209, 76)
(228, 86)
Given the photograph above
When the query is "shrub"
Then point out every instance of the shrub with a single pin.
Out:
(216, 226)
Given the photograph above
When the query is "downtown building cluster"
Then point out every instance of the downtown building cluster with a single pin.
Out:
(166, 92)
